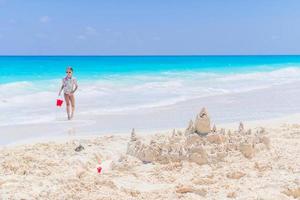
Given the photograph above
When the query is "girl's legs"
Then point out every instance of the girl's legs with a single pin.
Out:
(72, 100)
(67, 99)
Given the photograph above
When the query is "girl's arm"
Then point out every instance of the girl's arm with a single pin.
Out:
(61, 88)
(76, 86)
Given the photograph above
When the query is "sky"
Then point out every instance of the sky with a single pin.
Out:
(153, 27)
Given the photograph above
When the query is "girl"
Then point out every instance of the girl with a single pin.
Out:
(69, 85)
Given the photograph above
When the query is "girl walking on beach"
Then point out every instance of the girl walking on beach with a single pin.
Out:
(69, 86)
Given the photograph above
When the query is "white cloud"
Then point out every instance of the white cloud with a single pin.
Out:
(81, 37)
(118, 33)
(275, 37)
(90, 30)
(156, 38)
(12, 21)
(45, 19)
(41, 36)
(87, 32)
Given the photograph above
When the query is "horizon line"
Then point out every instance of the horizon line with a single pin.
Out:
(146, 55)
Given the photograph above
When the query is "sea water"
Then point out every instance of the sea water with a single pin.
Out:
(122, 84)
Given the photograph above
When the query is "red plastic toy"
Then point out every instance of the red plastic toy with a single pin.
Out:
(99, 169)
(59, 102)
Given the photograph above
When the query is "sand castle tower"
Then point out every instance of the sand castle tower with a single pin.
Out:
(190, 129)
(241, 128)
(133, 135)
(202, 123)
(214, 129)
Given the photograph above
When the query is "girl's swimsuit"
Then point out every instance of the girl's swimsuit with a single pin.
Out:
(69, 84)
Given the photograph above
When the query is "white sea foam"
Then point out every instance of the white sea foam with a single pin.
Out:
(27, 102)
(281, 76)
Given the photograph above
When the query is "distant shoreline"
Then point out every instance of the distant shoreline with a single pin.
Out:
(152, 55)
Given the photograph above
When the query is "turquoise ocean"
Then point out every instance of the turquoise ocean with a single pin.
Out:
(122, 84)
(39, 68)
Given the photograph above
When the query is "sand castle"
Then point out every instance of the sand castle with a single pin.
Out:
(199, 143)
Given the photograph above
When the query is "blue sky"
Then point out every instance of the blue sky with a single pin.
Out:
(156, 27)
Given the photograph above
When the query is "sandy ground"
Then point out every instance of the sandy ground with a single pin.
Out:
(54, 170)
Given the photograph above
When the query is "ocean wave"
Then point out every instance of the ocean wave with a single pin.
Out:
(15, 85)
(285, 74)
(124, 93)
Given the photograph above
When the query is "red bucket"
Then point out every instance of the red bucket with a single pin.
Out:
(59, 102)
(99, 169)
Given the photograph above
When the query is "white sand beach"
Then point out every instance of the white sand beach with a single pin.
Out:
(229, 163)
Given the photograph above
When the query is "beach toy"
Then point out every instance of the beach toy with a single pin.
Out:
(99, 169)
(59, 102)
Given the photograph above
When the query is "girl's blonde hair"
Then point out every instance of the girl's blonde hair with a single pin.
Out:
(70, 68)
